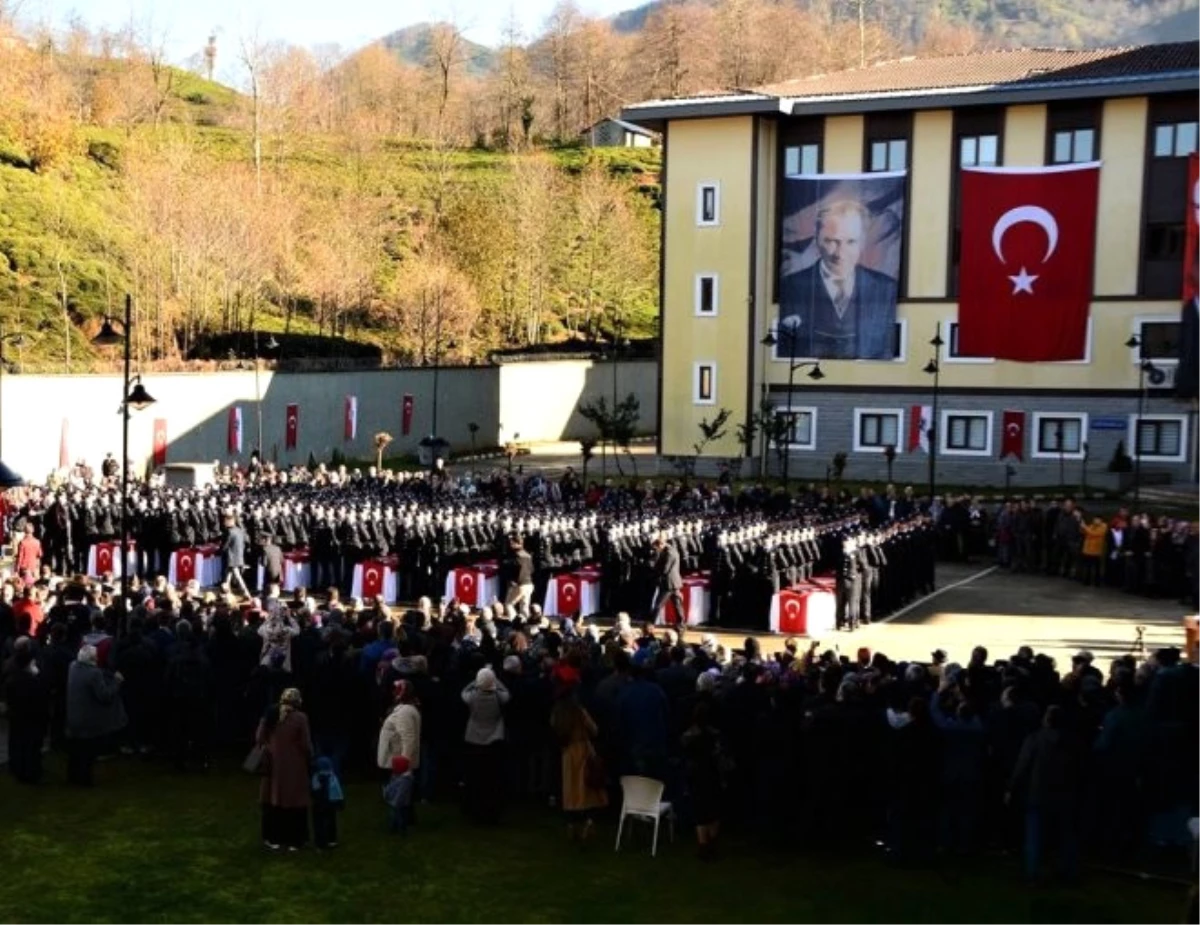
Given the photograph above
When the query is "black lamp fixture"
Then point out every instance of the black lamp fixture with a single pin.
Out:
(933, 368)
(108, 336)
(139, 399)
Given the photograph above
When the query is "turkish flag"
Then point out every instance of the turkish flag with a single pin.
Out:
(1013, 442)
(466, 586)
(1025, 277)
(160, 441)
(372, 580)
(350, 428)
(185, 565)
(104, 558)
(406, 413)
(293, 426)
(1191, 245)
(233, 440)
(793, 612)
(920, 419)
(568, 594)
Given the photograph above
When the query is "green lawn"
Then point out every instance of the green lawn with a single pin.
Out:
(150, 845)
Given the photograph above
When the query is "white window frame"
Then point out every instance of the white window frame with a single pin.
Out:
(977, 139)
(947, 326)
(812, 431)
(715, 186)
(859, 413)
(943, 435)
(1135, 353)
(1087, 350)
(696, 367)
(1132, 443)
(1038, 416)
(716, 295)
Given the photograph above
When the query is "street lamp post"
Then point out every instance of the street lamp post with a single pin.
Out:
(1145, 368)
(934, 368)
(814, 373)
(271, 344)
(133, 394)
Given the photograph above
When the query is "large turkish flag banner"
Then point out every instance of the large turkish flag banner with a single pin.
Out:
(160, 441)
(1191, 247)
(1025, 275)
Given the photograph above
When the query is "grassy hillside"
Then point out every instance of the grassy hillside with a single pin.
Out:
(67, 234)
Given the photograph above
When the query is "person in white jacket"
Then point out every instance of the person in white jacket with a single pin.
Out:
(401, 732)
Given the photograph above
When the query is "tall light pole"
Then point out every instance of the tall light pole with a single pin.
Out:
(814, 373)
(934, 368)
(138, 398)
(1145, 368)
(271, 344)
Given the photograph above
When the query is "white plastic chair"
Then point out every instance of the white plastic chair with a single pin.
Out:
(642, 799)
(1194, 832)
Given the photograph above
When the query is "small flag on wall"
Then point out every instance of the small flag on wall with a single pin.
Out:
(920, 419)
(1013, 442)
(160, 441)
(351, 428)
(406, 414)
(234, 441)
(293, 427)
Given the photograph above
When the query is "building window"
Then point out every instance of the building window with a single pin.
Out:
(704, 387)
(1176, 139)
(802, 160)
(1059, 434)
(1170, 139)
(889, 154)
(950, 351)
(979, 150)
(706, 294)
(1160, 339)
(1161, 437)
(802, 435)
(1074, 146)
(966, 433)
(978, 139)
(708, 204)
(875, 429)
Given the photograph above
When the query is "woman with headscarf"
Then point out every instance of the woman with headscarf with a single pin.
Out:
(484, 753)
(94, 713)
(401, 732)
(584, 788)
(283, 735)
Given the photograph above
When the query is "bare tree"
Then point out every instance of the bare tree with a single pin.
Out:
(446, 57)
(252, 50)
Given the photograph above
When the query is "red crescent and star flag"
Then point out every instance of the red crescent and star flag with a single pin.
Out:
(1012, 442)
(465, 590)
(234, 437)
(1191, 246)
(920, 419)
(1028, 247)
(293, 427)
(350, 430)
(160, 441)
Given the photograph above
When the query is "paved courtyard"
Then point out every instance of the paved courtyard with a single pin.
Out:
(978, 605)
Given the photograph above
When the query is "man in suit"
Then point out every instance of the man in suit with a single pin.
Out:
(842, 309)
(233, 549)
(668, 580)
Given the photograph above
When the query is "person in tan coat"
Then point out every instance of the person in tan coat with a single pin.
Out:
(584, 788)
(285, 793)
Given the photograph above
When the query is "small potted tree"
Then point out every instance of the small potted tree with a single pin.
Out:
(382, 439)
(1122, 464)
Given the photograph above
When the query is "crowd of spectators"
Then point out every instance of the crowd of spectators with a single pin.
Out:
(928, 759)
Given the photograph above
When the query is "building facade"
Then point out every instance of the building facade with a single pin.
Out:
(726, 158)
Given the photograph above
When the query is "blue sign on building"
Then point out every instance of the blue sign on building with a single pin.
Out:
(1108, 424)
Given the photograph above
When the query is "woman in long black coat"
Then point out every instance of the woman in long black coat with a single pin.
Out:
(28, 698)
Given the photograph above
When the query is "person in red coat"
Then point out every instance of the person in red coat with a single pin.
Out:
(29, 553)
(286, 789)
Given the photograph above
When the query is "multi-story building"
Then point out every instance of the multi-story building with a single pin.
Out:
(726, 157)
